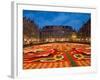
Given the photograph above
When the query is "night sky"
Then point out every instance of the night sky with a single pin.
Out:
(43, 18)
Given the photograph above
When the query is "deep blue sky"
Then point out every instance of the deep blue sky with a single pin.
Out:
(43, 18)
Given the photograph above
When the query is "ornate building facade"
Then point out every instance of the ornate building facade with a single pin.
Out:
(85, 32)
(56, 33)
(30, 32)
